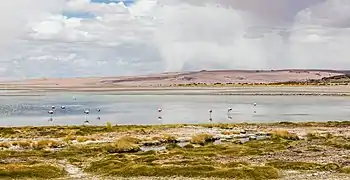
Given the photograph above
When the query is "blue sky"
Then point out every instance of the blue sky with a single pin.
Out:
(87, 15)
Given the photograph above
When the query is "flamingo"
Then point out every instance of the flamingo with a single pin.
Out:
(86, 112)
(160, 117)
(210, 113)
(254, 104)
(228, 113)
(51, 115)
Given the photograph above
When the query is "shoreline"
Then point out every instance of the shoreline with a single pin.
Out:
(235, 91)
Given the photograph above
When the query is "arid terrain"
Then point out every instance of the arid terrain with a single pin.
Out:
(229, 82)
(208, 151)
(181, 78)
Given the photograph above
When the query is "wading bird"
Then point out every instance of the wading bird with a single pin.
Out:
(160, 117)
(51, 115)
(210, 113)
(86, 112)
(254, 104)
(229, 110)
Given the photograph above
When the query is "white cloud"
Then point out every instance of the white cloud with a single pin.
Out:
(37, 39)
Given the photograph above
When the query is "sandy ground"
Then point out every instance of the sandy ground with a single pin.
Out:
(167, 79)
(165, 83)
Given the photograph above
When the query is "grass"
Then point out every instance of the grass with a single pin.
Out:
(202, 139)
(37, 171)
(284, 135)
(285, 165)
(23, 144)
(109, 126)
(123, 157)
(118, 168)
(314, 135)
(63, 131)
(122, 145)
(42, 144)
(338, 142)
(345, 170)
(5, 145)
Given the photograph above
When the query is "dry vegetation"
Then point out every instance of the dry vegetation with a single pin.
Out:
(122, 151)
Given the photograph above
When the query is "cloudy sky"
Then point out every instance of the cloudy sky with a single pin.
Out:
(68, 38)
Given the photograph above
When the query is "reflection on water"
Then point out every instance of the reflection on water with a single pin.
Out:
(145, 109)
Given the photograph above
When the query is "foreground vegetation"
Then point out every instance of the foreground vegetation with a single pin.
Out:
(197, 151)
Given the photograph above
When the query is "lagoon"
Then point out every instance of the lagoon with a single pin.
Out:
(142, 109)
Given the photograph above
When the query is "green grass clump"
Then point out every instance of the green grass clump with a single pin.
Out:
(130, 139)
(168, 139)
(82, 139)
(109, 126)
(188, 146)
(5, 145)
(296, 165)
(42, 144)
(123, 145)
(338, 142)
(313, 135)
(202, 139)
(284, 135)
(38, 171)
(69, 138)
(23, 144)
(120, 169)
(345, 170)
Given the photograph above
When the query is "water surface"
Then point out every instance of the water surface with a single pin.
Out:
(142, 109)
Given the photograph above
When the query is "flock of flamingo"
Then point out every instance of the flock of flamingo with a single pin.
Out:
(87, 112)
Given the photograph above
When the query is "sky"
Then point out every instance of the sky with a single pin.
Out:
(70, 38)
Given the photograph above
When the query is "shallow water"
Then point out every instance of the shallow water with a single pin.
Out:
(142, 109)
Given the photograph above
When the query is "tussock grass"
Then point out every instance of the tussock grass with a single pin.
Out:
(123, 145)
(345, 170)
(230, 132)
(284, 135)
(338, 142)
(5, 145)
(296, 165)
(84, 139)
(37, 171)
(314, 135)
(42, 144)
(137, 170)
(167, 138)
(109, 126)
(130, 139)
(23, 144)
(202, 139)
(69, 138)
(188, 146)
